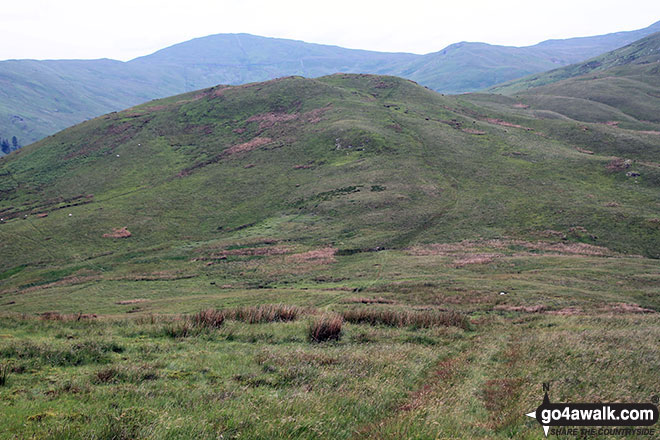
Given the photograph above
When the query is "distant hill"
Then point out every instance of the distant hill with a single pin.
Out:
(352, 161)
(622, 87)
(468, 67)
(39, 98)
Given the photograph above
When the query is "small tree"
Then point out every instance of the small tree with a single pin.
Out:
(4, 146)
(14, 143)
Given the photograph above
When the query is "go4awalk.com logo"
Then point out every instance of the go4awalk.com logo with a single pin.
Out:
(586, 419)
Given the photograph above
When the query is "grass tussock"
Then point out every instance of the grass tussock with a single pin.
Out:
(4, 373)
(264, 313)
(208, 319)
(406, 318)
(326, 328)
(193, 325)
(182, 328)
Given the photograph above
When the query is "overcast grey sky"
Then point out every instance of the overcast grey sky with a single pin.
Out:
(125, 29)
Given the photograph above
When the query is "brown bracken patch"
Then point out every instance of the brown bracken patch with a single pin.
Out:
(246, 146)
(317, 256)
(626, 308)
(267, 120)
(118, 233)
(505, 123)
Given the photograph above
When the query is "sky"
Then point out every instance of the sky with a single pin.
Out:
(126, 29)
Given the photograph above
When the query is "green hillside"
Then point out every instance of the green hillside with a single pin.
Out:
(372, 260)
(620, 87)
(469, 67)
(318, 147)
(40, 98)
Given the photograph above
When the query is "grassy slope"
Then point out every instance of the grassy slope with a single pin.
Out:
(42, 97)
(482, 65)
(345, 135)
(620, 86)
(354, 162)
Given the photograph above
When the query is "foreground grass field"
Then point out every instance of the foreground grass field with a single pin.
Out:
(128, 379)
(506, 317)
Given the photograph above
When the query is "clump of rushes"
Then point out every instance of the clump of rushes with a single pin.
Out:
(264, 313)
(406, 318)
(4, 373)
(193, 325)
(208, 319)
(326, 328)
(181, 328)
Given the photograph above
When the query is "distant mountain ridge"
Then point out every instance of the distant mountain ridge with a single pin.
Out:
(625, 83)
(39, 98)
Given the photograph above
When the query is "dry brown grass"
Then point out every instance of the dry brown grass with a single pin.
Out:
(505, 123)
(326, 328)
(246, 146)
(317, 256)
(181, 326)
(208, 319)
(264, 313)
(267, 120)
(118, 233)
